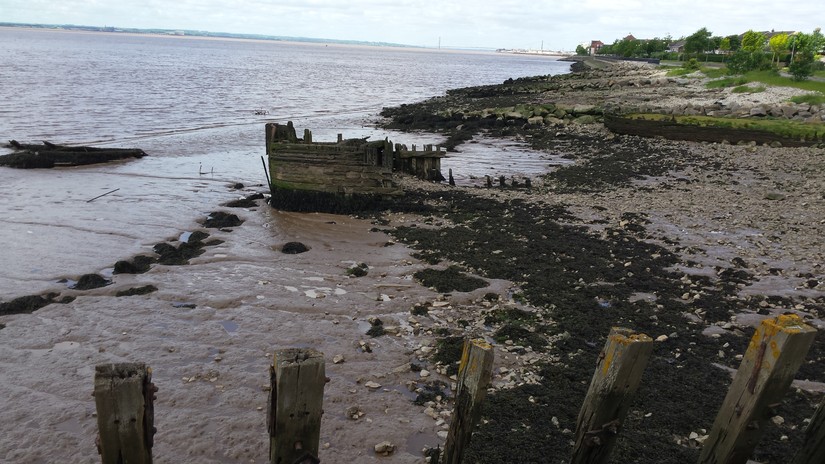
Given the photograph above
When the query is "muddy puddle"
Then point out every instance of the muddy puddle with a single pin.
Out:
(493, 157)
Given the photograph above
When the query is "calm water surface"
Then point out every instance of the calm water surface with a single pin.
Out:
(190, 104)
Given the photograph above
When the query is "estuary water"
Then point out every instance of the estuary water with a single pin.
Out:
(190, 103)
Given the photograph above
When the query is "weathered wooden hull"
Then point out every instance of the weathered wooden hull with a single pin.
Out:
(48, 155)
(343, 176)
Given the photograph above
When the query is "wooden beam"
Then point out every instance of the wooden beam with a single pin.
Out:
(295, 405)
(774, 354)
(813, 451)
(124, 398)
(474, 373)
(617, 377)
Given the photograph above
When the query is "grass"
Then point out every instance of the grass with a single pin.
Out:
(810, 99)
(748, 89)
(772, 78)
(781, 127)
(727, 82)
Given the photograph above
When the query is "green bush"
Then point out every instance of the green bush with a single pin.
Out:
(743, 61)
(691, 64)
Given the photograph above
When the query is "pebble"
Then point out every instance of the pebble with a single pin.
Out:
(337, 359)
(424, 373)
(662, 338)
(384, 448)
(442, 434)
(372, 385)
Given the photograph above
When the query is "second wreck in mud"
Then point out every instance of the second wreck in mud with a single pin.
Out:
(341, 176)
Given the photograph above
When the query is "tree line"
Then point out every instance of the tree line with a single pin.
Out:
(750, 51)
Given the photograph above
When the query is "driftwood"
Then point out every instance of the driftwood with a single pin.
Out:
(49, 155)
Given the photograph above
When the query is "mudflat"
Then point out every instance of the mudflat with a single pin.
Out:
(690, 243)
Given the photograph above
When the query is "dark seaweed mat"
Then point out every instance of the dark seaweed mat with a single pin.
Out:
(548, 259)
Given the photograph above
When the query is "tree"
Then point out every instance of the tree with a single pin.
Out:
(580, 50)
(753, 41)
(806, 46)
(778, 44)
(724, 45)
(735, 42)
(698, 42)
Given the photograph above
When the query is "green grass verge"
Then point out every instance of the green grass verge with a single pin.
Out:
(772, 78)
(727, 82)
(781, 127)
(748, 89)
(810, 99)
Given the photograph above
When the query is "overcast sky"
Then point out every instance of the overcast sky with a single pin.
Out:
(558, 25)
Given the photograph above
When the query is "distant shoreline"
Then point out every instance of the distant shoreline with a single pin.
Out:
(284, 40)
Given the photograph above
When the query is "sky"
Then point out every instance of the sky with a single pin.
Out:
(524, 24)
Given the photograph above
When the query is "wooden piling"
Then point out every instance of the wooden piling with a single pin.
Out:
(474, 375)
(813, 451)
(124, 398)
(617, 377)
(774, 354)
(295, 405)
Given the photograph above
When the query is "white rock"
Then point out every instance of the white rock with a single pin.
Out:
(372, 385)
(424, 373)
(337, 359)
(386, 448)
(662, 338)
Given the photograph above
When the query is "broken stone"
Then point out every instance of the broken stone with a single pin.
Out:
(384, 448)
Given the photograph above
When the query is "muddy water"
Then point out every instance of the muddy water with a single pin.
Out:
(189, 103)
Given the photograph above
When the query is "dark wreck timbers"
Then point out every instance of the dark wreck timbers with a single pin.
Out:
(49, 155)
(694, 133)
(310, 201)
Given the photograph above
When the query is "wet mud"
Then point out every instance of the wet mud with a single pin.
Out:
(584, 275)
(583, 284)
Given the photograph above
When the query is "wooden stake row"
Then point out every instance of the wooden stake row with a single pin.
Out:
(124, 397)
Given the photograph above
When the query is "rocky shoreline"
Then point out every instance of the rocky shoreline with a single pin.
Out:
(691, 243)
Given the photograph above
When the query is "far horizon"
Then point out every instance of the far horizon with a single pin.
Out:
(462, 24)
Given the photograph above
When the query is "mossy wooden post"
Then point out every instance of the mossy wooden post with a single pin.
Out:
(774, 354)
(474, 375)
(617, 377)
(124, 398)
(813, 451)
(295, 401)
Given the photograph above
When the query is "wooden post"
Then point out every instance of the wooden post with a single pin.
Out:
(295, 402)
(474, 375)
(813, 451)
(774, 354)
(124, 398)
(617, 377)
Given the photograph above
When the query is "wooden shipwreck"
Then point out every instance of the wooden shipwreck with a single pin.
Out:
(50, 155)
(341, 176)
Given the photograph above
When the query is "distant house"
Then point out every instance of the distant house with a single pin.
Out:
(595, 46)
(629, 38)
(676, 47)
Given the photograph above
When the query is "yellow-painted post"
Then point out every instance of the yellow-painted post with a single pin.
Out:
(774, 354)
(295, 405)
(813, 451)
(474, 375)
(617, 377)
(124, 398)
